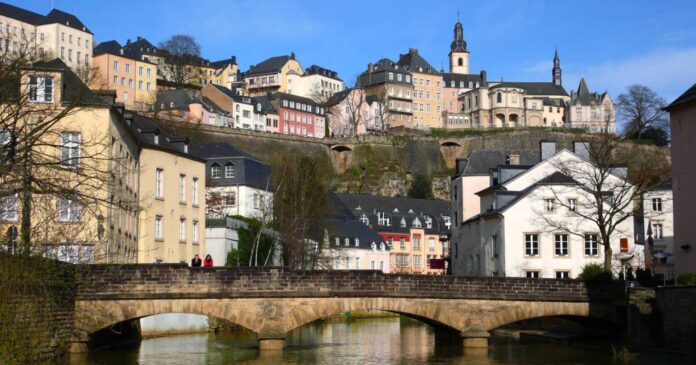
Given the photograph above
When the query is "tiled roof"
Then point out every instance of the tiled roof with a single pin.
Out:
(54, 16)
(270, 65)
(112, 47)
(177, 99)
(139, 48)
(146, 129)
(218, 150)
(266, 105)
(536, 88)
(73, 89)
(318, 70)
(351, 229)
(480, 162)
(689, 96)
(398, 209)
(448, 77)
(413, 62)
(223, 63)
(248, 170)
(583, 96)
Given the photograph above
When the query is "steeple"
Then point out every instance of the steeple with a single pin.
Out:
(556, 71)
(459, 56)
(582, 88)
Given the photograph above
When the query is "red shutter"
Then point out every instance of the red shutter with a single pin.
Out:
(624, 245)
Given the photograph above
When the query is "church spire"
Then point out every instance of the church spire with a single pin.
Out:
(556, 71)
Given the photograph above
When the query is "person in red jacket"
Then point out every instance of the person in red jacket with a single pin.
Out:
(208, 262)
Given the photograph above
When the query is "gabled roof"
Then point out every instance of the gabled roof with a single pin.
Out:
(73, 89)
(480, 162)
(535, 88)
(583, 96)
(338, 97)
(413, 62)
(139, 48)
(223, 63)
(351, 229)
(266, 105)
(689, 96)
(270, 65)
(112, 47)
(54, 16)
(57, 16)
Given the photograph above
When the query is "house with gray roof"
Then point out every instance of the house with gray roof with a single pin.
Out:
(236, 182)
(592, 111)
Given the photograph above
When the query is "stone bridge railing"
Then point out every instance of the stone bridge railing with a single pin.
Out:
(177, 281)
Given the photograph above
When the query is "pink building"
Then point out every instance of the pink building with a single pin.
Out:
(453, 116)
(350, 107)
(682, 113)
(298, 115)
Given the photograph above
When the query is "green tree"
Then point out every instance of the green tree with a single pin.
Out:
(421, 188)
(242, 256)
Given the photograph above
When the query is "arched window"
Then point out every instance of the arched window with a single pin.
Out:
(499, 97)
(460, 62)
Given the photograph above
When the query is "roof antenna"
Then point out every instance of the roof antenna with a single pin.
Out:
(457, 13)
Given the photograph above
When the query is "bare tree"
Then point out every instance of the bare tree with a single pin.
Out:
(57, 173)
(181, 53)
(383, 113)
(300, 208)
(603, 194)
(641, 108)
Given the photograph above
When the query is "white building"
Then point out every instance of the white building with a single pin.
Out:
(57, 34)
(236, 183)
(317, 83)
(592, 111)
(530, 221)
(658, 223)
(351, 245)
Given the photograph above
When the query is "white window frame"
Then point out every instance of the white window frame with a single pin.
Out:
(182, 230)
(159, 225)
(68, 210)
(531, 244)
(229, 171)
(194, 191)
(9, 208)
(159, 183)
(182, 188)
(561, 245)
(70, 149)
(41, 89)
(591, 244)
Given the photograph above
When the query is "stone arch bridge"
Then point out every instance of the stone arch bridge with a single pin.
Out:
(274, 301)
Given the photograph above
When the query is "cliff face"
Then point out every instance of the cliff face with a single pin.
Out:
(382, 165)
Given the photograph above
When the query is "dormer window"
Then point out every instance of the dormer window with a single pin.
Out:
(403, 223)
(373, 246)
(428, 222)
(416, 223)
(364, 219)
(347, 241)
(338, 241)
(381, 247)
(229, 171)
(215, 172)
(357, 242)
(40, 89)
(382, 218)
(171, 104)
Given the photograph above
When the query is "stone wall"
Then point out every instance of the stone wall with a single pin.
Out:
(37, 304)
(663, 317)
(177, 281)
(381, 165)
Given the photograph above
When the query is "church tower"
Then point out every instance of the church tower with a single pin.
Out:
(556, 71)
(458, 56)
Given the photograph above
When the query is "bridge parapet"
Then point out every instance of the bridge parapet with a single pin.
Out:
(178, 281)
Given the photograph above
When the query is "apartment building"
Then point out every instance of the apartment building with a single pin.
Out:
(271, 75)
(427, 90)
(299, 115)
(391, 86)
(317, 83)
(351, 245)
(56, 34)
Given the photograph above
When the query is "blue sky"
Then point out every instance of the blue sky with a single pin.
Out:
(611, 43)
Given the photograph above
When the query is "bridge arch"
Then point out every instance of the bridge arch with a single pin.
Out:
(342, 156)
(450, 150)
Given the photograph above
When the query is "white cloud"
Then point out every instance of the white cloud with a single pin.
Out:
(668, 71)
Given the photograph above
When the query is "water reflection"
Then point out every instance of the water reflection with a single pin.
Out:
(368, 341)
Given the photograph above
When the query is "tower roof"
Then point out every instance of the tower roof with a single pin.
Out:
(458, 44)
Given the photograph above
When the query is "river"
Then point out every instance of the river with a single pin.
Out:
(359, 341)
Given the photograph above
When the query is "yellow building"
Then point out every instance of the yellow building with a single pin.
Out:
(226, 73)
(427, 90)
(172, 196)
(271, 75)
(83, 170)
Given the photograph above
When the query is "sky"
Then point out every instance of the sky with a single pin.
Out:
(612, 44)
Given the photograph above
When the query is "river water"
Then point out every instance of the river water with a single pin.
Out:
(360, 341)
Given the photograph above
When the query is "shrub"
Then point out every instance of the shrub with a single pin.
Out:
(594, 272)
(687, 278)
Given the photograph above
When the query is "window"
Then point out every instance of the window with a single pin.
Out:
(182, 188)
(140, 84)
(194, 231)
(572, 204)
(115, 65)
(357, 242)
(532, 274)
(391, 76)
(229, 172)
(402, 243)
(382, 218)
(140, 71)
(159, 183)
(531, 244)
(561, 244)
(337, 263)
(657, 231)
(158, 228)
(623, 244)
(499, 98)
(494, 246)
(8, 208)
(431, 244)
(417, 261)
(130, 83)
(657, 204)
(215, 172)
(125, 95)
(70, 149)
(40, 89)
(550, 205)
(357, 263)
(372, 265)
(116, 80)
(182, 230)
(346, 241)
(194, 191)
(562, 274)
(229, 199)
(68, 210)
(591, 245)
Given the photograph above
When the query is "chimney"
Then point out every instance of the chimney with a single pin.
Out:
(292, 55)
(483, 78)
(514, 158)
(582, 149)
(370, 67)
(413, 50)
(546, 149)
(233, 60)
(128, 42)
(139, 38)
